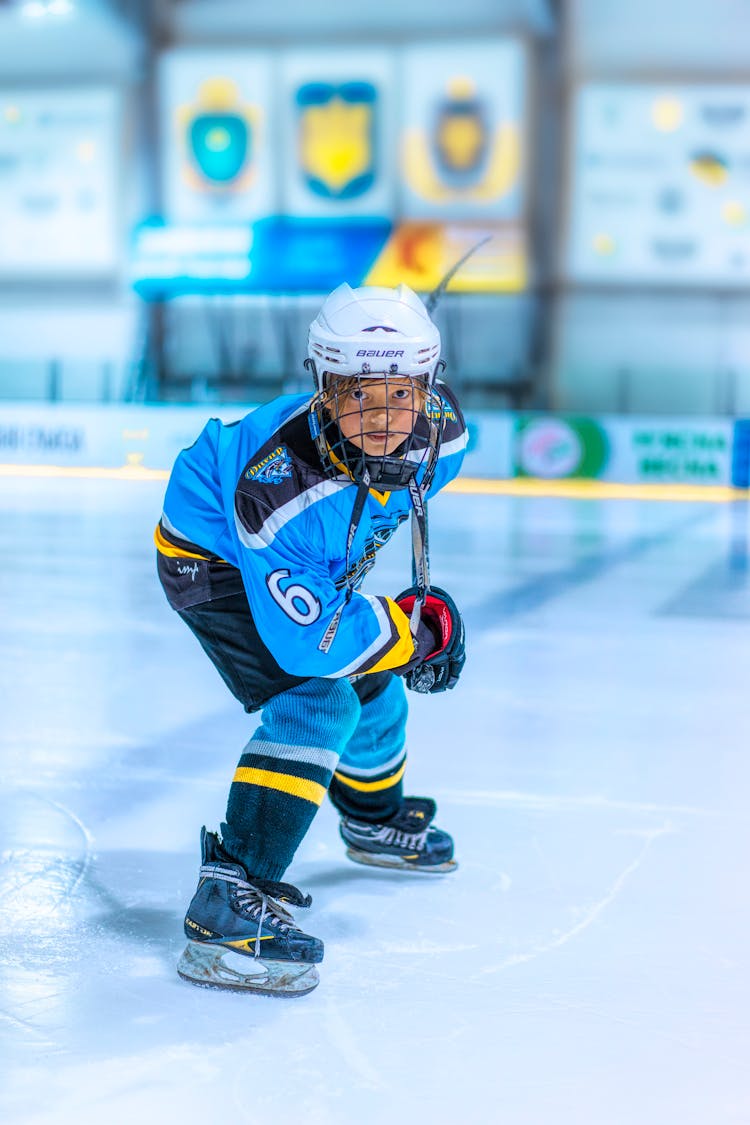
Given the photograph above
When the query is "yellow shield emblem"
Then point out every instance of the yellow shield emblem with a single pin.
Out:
(461, 137)
(336, 130)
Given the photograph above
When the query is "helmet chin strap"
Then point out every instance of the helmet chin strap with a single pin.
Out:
(363, 487)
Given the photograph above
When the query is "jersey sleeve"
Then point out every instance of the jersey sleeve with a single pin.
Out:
(454, 441)
(299, 609)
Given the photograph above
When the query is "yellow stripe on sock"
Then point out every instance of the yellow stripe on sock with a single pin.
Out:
(371, 786)
(285, 783)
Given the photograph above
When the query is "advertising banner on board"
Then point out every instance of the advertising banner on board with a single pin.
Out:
(501, 445)
(624, 449)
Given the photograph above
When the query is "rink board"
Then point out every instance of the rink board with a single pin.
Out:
(502, 445)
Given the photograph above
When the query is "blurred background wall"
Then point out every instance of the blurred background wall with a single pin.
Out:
(181, 182)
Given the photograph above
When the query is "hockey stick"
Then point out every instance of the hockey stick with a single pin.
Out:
(420, 532)
(443, 284)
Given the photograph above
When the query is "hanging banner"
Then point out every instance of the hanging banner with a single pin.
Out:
(59, 176)
(462, 141)
(282, 170)
(421, 254)
(661, 185)
(338, 132)
(276, 255)
(217, 127)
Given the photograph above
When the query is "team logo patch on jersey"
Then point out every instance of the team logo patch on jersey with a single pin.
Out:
(383, 533)
(433, 412)
(273, 469)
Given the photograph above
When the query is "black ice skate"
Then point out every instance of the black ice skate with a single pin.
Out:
(406, 841)
(241, 937)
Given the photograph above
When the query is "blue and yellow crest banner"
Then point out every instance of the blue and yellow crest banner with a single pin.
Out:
(463, 125)
(336, 131)
(216, 158)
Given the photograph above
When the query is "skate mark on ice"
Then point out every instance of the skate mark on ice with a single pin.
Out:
(88, 841)
(39, 1037)
(342, 1036)
(31, 865)
(591, 914)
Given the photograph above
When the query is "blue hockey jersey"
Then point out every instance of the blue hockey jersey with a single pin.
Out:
(249, 506)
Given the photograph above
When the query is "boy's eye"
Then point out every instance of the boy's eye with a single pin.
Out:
(402, 393)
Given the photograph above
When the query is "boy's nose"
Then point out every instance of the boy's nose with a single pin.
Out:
(378, 408)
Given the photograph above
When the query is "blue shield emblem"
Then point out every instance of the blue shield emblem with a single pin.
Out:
(219, 143)
(218, 135)
(461, 137)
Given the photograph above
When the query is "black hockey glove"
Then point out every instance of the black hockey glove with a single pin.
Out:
(440, 647)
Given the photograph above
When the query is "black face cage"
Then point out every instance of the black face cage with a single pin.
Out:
(420, 420)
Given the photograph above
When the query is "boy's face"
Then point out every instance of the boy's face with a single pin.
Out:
(377, 415)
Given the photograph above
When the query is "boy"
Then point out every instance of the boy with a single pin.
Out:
(269, 527)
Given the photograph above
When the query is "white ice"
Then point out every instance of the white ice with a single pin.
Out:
(586, 965)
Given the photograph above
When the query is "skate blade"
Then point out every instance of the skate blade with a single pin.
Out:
(395, 863)
(213, 966)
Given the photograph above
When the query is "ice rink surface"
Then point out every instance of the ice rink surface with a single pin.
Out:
(586, 965)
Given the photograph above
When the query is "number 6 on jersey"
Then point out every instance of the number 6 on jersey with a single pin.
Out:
(293, 598)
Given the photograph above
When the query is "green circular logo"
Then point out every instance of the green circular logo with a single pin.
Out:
(557, 448)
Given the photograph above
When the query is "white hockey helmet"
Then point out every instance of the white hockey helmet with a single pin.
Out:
(381, 334)
(372, 330)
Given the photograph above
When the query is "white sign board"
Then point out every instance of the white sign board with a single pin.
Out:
(59, 175)
(661, 185)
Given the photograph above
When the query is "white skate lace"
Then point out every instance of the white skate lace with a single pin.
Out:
(393, 837)
(253, 903)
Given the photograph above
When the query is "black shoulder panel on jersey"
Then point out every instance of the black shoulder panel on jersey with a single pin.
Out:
(454, 419)
(285, 466)
(296, 434)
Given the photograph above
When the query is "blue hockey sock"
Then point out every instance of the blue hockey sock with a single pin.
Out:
(367, 783)
(285, 771)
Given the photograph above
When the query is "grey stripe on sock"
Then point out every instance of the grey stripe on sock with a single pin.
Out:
(385, 767)
(326, 759)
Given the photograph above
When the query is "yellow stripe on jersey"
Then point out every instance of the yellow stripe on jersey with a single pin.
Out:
(371, 786)
(164, 547)
(285, 783)
(403, 650)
